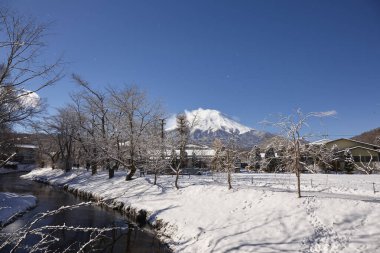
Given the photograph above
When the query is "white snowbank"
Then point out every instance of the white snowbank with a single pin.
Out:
(13, 205)
(203, 216)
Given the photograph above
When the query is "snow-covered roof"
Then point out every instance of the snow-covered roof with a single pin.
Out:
(320, 142)
(360, 142)
(359, 147)
(30, 146)
(197, 152)
(195, 146)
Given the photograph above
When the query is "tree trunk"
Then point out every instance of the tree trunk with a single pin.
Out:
(93, 169)
(155, 178)
(176, 179)
(299, 184)
(67, 165)
(131, 173)
(111, 172)
(53, 164)
(297, 168)
(88, 166)
(229, 180)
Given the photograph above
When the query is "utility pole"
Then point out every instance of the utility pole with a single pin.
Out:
(162, 129)
(162, 137)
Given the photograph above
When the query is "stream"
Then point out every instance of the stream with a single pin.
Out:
(131, 239)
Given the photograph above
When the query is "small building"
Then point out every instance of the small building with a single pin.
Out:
(198, 156)
(25, 154)
(362, 152)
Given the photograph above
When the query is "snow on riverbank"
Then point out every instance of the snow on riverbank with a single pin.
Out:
(203, 216)
(13, 205)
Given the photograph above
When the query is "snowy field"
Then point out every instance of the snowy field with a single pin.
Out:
(13, 205)
(261, 214)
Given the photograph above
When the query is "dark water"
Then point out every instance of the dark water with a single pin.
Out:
(130, 239)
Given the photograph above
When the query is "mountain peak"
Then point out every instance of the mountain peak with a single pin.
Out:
(209, 120)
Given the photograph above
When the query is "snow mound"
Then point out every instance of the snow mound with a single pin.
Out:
(13, 205)
(208, 120)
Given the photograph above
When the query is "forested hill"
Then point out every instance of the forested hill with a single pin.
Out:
(369, 136)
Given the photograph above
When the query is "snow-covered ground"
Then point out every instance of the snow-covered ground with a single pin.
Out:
(261, 214)
(13, 205)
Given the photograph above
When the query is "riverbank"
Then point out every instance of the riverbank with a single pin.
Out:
(204, 216)
(14, 205)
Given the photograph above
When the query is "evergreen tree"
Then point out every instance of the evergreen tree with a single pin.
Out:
(256, 158)
(270, 160)
(348, 162)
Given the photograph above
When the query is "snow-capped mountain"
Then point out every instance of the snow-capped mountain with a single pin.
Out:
(207, 125)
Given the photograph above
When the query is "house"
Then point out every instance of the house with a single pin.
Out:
(25, 153)
(362, 153)
(197, 155)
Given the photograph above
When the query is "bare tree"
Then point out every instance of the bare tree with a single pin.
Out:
(292, 128)
(45, 236)
(64, 127)
(7, 147)
(318, 157)
(368, 166)
(136, 114)
(178, 142)
(47, 142)
(225, 158)
(156, 149)
(22, 71)
(95, 107)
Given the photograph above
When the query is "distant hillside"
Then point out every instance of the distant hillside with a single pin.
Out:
(369, 137)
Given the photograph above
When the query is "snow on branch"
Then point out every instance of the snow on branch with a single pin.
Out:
(46, 233)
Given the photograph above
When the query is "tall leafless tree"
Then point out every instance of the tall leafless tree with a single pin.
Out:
(226, 157)
(96, 107)
(292, 129)
(136, 114)
(156, 149)
(64, 128)
(22, 70)
(179, 140)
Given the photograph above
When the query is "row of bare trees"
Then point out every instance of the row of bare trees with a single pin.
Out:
(289, 152)
(103, 129)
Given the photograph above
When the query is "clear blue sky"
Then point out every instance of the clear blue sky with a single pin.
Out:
(248, 59)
